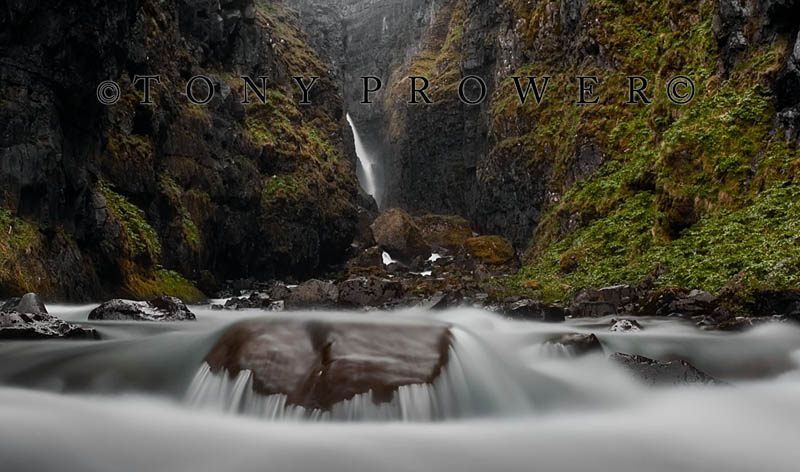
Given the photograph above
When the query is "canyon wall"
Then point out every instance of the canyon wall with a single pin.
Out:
(596, 194)
(138, 200)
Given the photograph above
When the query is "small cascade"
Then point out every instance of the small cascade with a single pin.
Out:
(366, 165)
(555, 351)
(467, 387)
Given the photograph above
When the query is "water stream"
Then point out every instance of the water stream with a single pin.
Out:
(143, 399)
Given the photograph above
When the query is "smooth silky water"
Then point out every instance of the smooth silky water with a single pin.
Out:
(144, 400)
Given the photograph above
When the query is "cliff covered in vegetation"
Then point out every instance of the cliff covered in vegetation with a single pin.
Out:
(140, 200)
(702, 194)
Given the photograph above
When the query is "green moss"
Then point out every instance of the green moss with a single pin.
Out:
(163, 282)
(20, 243)
(440, 61)
(288, 40)
(680, 186)
(140, 240)
(280, 187)
(759, 241)
(490, 249)
(174, 194)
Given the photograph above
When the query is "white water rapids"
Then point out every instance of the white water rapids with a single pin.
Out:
(142, 400)
(366, 170)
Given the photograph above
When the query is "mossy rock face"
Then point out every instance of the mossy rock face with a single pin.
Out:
(490, 249)
(141, 199)
(700, 189)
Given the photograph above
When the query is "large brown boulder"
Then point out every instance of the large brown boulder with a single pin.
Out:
(397, 233)
(318, 364)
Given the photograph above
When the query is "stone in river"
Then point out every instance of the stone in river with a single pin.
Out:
(653, 372)
(159, 309)
(29, 303)
(318, 364)
(29, 326)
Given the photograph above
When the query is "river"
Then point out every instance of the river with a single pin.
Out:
(143, 400)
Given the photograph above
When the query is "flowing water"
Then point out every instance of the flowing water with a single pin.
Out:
(144, 400)
(366, 164)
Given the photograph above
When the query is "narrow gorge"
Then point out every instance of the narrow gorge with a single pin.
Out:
(392, 235)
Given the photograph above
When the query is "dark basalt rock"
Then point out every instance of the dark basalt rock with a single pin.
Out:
(679, 302)
(657, 373)
(625, 326)
(531, 310)
(279, 291)
(313, 294)
(603, 302)
(369, 291)
(784, 303)
(578, 344)
(30, 326)
(159, 309)
(317, 365)
(258, 300)
(30, 303)
(370, 257)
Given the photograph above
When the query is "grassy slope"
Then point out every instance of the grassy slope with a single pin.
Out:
(707, 190)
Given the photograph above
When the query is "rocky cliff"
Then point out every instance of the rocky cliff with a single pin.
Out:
(139, 200)
(143, 197)
(604, 193)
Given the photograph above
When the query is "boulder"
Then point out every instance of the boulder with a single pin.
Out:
(371, 257)
(449, 232)
(397, 233)
(312, 294)
(318, 364)
(532, 310)
(625, 326)
(743, 323)
(680, 302)
(578, 344)
(279, 291)
(256, 300)
(659, 373)
(589, 303)
(29, 303)
(158, 309)
(767, 303)
(491, 250)
(369, 291)
(30, 326)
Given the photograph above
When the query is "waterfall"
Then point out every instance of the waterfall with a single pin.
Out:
(366, 164)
